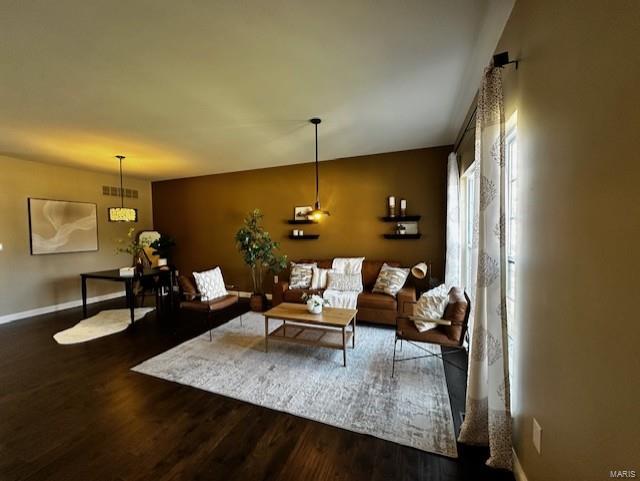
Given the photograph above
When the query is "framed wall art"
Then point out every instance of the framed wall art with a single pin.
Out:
(60, 226)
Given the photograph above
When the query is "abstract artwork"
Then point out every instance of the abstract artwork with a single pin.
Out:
(58, 226)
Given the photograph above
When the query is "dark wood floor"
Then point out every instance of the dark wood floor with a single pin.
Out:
(79, 413)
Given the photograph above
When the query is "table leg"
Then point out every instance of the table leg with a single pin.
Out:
(266, 334)
(84, 297)
(171, 282)
(284, 328)
(353, 338)
(344, 346)
(129, 289)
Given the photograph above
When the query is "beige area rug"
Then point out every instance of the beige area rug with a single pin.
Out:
(412, 409)
(102, 324)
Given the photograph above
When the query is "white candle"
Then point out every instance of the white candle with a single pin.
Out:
(392, 201)
(403, 204)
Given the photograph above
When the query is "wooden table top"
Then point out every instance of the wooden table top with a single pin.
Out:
(330, 316)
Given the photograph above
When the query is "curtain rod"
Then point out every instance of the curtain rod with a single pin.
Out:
(466, 129)
(499, 61)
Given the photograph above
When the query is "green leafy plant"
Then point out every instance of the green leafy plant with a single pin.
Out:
(258, 250)
(131, 245)
(162, 246)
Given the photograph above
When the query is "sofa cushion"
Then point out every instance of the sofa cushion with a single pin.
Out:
(295, 295)
(339, 281)
(390, 279)
(210, 283)
(456, 312)
(370, 271)
(300, 277)
(372, 300)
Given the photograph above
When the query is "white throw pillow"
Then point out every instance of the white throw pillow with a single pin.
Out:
(339, 281)
(210, 284)
(390, 279)
(319, 278)
(430, 308)
(301, 274)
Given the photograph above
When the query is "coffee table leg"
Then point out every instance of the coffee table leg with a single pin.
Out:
(266, 334)
(353, 338)
(344, 346)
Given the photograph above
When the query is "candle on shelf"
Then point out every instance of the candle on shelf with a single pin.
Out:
(392, 206)
(295, 232)
(403, 207)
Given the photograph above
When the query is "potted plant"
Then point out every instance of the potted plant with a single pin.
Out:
(162, 248)
(134, 247)
(259, 253)
(315, 303)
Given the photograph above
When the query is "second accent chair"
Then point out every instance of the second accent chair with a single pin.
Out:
(372, 306)
(450, 332)
(191, 300)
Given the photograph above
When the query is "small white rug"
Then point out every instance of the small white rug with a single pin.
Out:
(102, 324)
(412, 409)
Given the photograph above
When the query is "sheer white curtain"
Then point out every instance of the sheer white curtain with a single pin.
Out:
(488, 414)
(453, 255)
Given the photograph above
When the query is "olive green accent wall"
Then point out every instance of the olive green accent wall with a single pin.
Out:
(203, 213)
(29, 282)
(577, 354)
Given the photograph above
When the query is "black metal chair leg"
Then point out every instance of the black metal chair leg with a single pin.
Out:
(393, 364)
(210, 321)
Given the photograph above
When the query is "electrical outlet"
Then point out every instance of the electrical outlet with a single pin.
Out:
(537, 435)
(275, 279)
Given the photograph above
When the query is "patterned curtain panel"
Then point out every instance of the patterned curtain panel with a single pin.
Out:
(452, 260)
(488, 413)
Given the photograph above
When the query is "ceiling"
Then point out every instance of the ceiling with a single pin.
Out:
(198, 87)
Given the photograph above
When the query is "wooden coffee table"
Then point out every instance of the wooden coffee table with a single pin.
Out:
(324, 330)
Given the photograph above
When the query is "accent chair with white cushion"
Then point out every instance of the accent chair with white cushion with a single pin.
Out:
(214, 300)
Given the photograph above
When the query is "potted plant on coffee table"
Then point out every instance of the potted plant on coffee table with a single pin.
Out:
(259, 253)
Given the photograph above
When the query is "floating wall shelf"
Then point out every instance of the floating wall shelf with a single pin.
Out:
(305, 221)
(402, 236)
(406, 218)
(304, 237)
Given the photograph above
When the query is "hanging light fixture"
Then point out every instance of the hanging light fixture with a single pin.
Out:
(122, 213)
(317, 213)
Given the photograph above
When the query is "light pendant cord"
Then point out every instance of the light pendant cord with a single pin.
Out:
(120, 157)
(317, 177)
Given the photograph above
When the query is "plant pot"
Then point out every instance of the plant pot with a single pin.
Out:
(257, 302)
(314, 308)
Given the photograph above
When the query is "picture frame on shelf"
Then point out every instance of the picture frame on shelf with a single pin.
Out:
(301, 212)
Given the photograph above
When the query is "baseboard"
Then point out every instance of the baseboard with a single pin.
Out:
(247, 295)
(518, 472)
(57, 307)
(78, 302)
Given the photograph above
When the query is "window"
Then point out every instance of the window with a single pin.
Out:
(468, 191)
(511, 224)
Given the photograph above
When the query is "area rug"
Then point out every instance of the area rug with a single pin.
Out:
(412, 409)
(102, 324)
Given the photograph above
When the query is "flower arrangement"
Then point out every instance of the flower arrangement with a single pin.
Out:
(315, 303)
(132, 246)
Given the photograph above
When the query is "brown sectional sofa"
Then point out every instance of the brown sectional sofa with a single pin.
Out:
(372, 306)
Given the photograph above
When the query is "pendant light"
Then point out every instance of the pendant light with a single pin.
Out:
(122, 213)
(317, 213)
